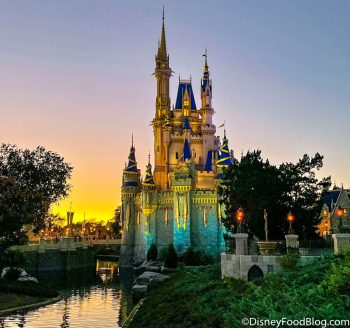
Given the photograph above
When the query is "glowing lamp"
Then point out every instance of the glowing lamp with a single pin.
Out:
(240, 215)
(340, 211)
(290, 217)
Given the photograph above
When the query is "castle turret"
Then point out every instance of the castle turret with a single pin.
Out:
(148, 180)
(161, 140)
(206, 95)
(225, 157)
(162, 74)
(130, 188)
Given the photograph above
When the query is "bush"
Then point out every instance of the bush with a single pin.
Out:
(12, 258)
(289, 261)
(337, 279)
(161, 254)
(12, 274)
(170, 258)
(152, 253)
(191, 257)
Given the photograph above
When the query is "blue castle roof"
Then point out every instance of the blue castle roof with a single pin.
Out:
(187, 124)
(187, 150)
(131, 184)
(148, 181)
(132, 164)
(208, 164)
(225, 155)
(330, 197)
(184, 85)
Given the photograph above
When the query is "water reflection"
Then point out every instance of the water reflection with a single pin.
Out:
(92, 298)
(106, 270)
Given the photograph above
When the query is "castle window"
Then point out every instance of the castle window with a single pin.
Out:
(186, 103)
(177, 155)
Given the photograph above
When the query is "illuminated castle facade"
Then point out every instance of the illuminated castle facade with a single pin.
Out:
(177, 203)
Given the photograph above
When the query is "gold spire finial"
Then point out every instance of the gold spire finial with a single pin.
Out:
(132, 139)
(162, 53)
(205, 61)
(149, 157)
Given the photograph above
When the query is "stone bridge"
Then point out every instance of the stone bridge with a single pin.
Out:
(66, 254)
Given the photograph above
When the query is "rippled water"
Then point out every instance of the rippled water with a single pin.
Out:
(102, 302)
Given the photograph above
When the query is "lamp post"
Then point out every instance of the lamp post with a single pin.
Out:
(291, 219)
(239, 218)
(340, 213)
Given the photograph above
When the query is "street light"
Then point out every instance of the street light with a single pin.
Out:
(340, 213)
(291, 219)
(239, 218)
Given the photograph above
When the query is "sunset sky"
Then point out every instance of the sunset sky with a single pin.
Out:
(75, 77)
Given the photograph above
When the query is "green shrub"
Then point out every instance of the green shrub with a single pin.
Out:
(161, 254)
(206, 259)
(12, 274)
(193, 258)
(152, 253)
(190, 257)
(289, 261)
(170, 258)
(13, 258)
(337, 279)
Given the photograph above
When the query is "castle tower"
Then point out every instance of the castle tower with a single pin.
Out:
(162, 74)
(225, 158)
(130, 188)
(206, 94)
(210, 142)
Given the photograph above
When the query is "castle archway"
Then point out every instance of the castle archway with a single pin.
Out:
(255, 273)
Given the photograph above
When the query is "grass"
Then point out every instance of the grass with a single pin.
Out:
(10, 300)
(200, 298)
(14, 294)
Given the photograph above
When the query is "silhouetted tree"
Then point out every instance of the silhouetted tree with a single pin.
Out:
(30, 181)
(254, 184)
(116, 221)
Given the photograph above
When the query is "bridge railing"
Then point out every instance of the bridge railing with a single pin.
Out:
(66, 244)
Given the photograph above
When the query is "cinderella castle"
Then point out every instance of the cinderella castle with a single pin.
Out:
(177, 203)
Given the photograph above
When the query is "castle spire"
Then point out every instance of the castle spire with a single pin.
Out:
(148, 181)
(206, 88)
(132, 164)
(206, 68)
(225, 158)
(162, 52)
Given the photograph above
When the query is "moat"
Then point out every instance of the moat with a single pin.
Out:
(94, 298)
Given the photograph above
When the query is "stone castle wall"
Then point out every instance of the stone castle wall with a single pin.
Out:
(154, 221)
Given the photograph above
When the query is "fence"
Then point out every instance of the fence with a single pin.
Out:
(320, 246)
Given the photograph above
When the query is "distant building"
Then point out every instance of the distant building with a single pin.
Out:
(335, 211)
(178, 202)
